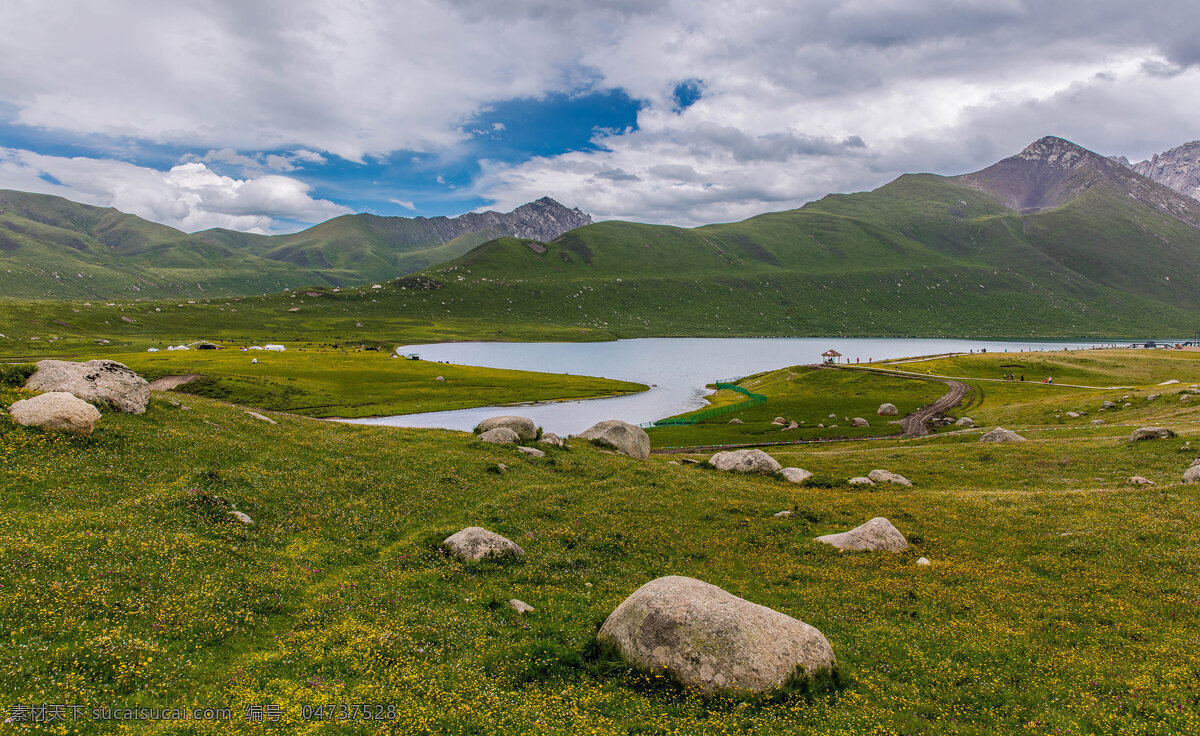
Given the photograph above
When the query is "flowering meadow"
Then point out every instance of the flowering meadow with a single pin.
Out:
(1060, 600)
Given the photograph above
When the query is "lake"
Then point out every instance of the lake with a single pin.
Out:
(677, 369)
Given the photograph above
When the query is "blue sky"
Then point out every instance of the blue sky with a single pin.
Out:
(220, 114)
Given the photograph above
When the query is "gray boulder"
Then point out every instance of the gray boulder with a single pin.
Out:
(240, 517)
(886, 476)
(793, 425)
(710, 639)
(58, 411)
(620, 436)
(967, 422)
(476, 543)
(745, 461)
(1073, 414)
(1000, 434)
(1195, 463)
(549, 438)
(531, 452)
(735, 420)
(877, 535)
(1138, 480)
(1151, 433)
(887, 410)
(1192, 474)
(500, 436)
(1108, 405)
(859, 422)
(795, 475)
(778, 420)
(861, 481)
(260, 417)
(521, 607)
(524, 427)
(96, 381)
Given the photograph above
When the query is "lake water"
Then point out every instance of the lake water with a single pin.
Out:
(676, 368)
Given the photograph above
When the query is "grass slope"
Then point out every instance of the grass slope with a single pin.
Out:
(1059, 600)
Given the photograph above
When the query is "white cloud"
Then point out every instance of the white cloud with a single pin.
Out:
(799, 98)
(189, 196)
(406, 204)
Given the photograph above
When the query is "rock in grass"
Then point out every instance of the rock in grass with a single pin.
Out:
(735, 420)
(1171, 382)
(1138, 480)
(877, 535)
(620, 436)
(745, 461)
(861, 481)
(782, 514)
(476, 543)
(500, 436)
(793, 425)
(1195, 463)
(887, 410)
(922, 561)
(795, 475)
(967, 422)
(778, 420)
(521, 607)
(441, 379)
(97, 381)
(260, 417)
(859, 422)
(1097, 422)
(58, 411)
(886, 476)
(707, 638)
(1152, 397)
(240, 517)
(1192, 474)
(531, 452)
(522, 426)
(1108, 405)
(1000, 434)
(549, 438)
(1073, 414)
(1151, 433)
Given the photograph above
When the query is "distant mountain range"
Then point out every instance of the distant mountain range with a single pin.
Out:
(52, 248)
(1056, 240)
(1178, 168)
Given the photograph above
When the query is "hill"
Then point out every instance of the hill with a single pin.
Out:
(1055, 240)
(52, 248)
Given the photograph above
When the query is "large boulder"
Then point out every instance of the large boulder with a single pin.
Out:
(859, 422)
(1000, 434)
(96, 381)
(1192, 474)
(795, 475)
(710, 639)
(500, 436)
(57, 410)
(549, 438)
(886, 476)
(524, 427)
(965, 422)
(1151, 433)
(745, 461)
(877, 535)
(475, 543)
(887, 410)
(620, 436)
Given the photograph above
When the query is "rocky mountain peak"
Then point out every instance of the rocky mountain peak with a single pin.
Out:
(1178, 168)
(1056, 151)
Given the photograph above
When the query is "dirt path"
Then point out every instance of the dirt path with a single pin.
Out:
(166, 383)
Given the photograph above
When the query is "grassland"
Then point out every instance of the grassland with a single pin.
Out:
(1059, 599)
(328, 382)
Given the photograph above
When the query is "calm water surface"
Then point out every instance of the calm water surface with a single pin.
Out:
(677, 369)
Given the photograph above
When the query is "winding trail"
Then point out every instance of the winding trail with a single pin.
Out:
(916, 423)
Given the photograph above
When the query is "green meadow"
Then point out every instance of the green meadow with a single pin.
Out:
(1059, 599)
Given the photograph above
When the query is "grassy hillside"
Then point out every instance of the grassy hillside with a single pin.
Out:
(1058, 599)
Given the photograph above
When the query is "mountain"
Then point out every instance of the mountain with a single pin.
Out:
(52, 248)
(1178, 168)
(1055, 240)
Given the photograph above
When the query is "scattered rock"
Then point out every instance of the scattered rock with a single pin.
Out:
(965, 422)
(522, 426)
(888, 410)
(782, 514)
(240, 517)
(861, 481)
(1151, 433)
(1108, 405)
(745, 461)
(793, 425)
(500, 436)
(1195, 463)
(922, 561)
(59, 411)
(260, 417)
(821, 426)
(1171, 382)
(778, 420)
(1152, 397)
(620, 436)
(859, 422)
(549, 438)
(877, 535)
(673, 462)
(1138, 480)
(710, 639)
(1097, 422)
(1000, 434)
(521, 607)
(1073, 414)
(531, 452)
(735, 420)
(97, 381)
(501, 467)
(833, 416)
(885, 476)
(1192, 474)
(795, 475)
(440, 378)
(691, 461)
(476, 543)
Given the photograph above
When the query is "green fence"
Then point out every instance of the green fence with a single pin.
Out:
(716, 411)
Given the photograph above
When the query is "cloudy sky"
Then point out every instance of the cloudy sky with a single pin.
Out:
(265, 115)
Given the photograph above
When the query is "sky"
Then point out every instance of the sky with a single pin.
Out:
(269, 115)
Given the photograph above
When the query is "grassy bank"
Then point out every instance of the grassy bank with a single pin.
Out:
(1059, 599)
